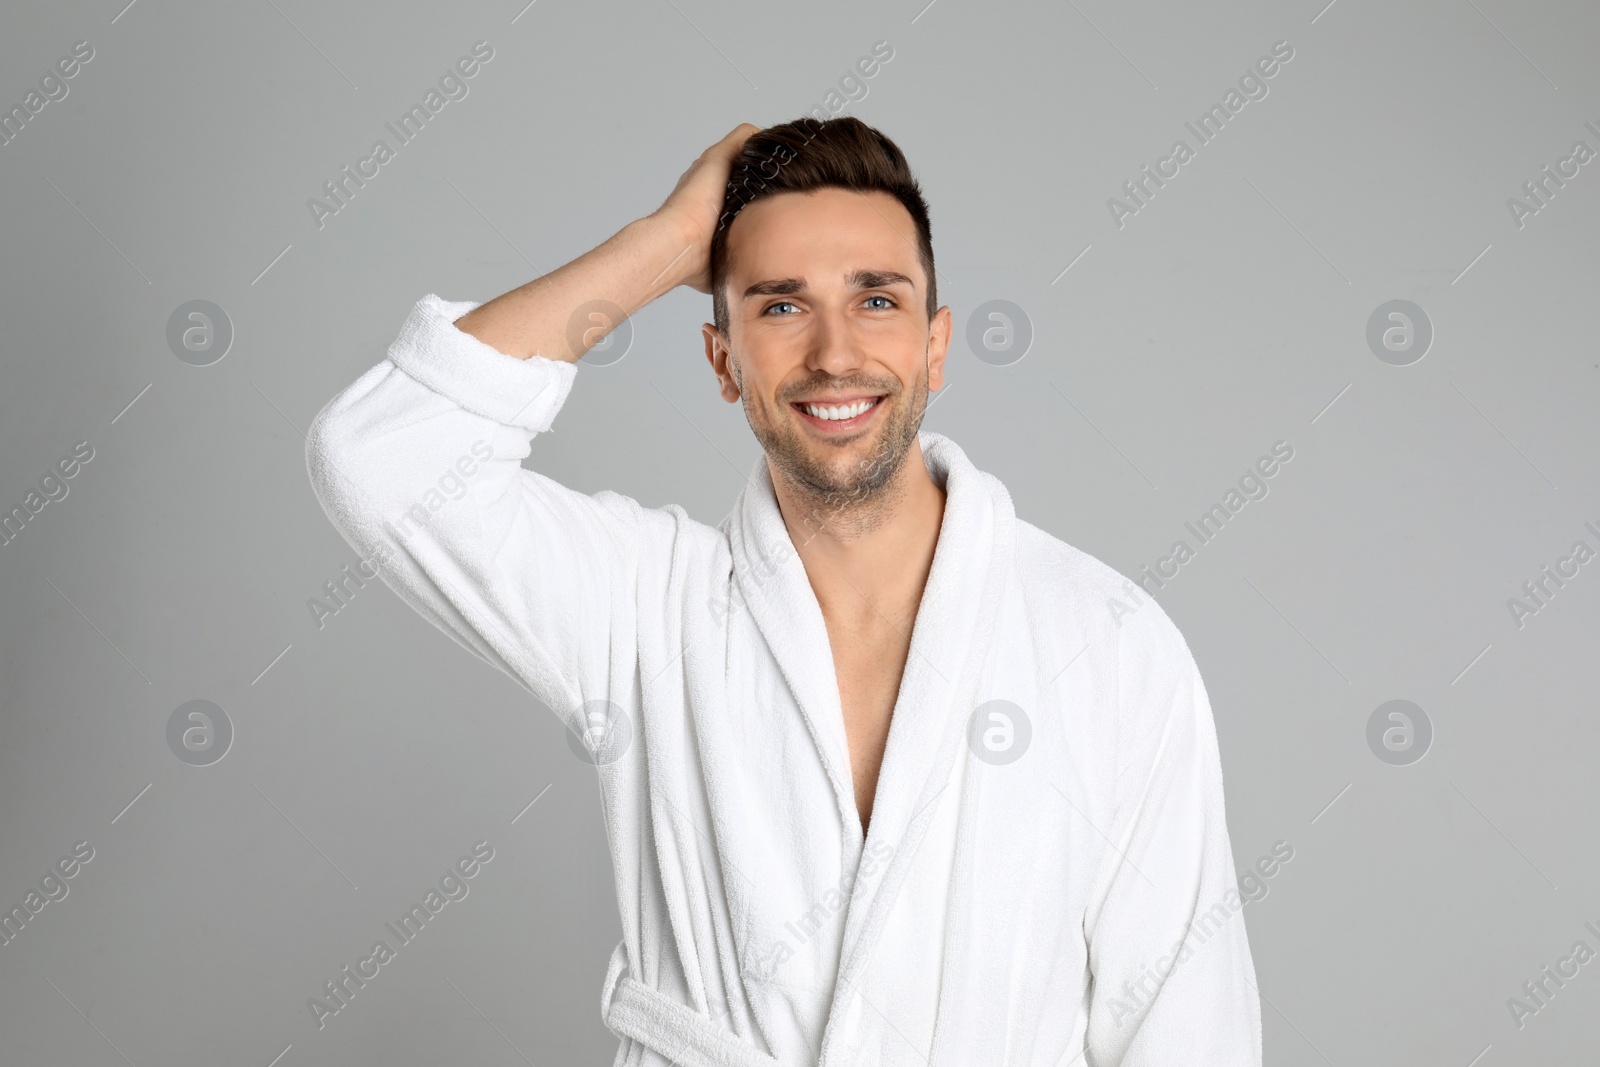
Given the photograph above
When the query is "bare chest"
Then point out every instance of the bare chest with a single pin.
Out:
(868, 664)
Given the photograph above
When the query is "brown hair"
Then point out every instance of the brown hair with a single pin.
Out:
(807, 154)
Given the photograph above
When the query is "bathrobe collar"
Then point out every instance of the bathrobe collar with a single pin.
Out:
(939, 688)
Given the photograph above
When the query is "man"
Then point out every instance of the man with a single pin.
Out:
(884, 780)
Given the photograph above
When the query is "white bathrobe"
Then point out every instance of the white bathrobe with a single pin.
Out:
(1046, 880)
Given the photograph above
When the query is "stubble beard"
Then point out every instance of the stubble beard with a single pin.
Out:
(860, 495)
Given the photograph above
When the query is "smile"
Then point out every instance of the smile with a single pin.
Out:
(839, 416)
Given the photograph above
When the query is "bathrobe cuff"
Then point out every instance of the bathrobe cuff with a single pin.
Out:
(525, 393)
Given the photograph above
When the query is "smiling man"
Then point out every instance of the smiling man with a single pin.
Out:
(885, 781)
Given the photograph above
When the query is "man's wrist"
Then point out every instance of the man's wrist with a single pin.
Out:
(671, 240)
(670, 224)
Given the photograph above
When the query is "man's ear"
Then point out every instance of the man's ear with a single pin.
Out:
(938, 347)
(718, 355)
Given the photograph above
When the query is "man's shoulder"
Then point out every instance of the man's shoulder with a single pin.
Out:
(1065, 578)
(1046, 556)
(1125, 632)
(667, 530)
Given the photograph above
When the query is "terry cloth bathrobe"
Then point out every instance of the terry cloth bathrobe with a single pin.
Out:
(1047, 878)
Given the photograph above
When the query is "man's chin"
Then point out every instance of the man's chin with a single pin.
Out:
(842, 467)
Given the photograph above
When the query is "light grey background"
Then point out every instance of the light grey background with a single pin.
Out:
(1226, 315)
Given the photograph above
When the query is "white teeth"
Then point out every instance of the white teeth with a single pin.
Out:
(834, 413)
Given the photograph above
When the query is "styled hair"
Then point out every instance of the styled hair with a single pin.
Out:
(809, 154)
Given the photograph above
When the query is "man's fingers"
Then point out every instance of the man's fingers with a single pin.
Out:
(736, 138)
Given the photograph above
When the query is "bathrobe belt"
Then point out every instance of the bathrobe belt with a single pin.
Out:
(632, 1009)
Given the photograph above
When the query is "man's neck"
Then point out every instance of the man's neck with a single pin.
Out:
(868, 559)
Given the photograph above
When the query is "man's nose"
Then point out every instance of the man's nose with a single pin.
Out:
(835, 348)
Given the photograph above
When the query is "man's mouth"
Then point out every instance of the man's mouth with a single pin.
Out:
(835, 416)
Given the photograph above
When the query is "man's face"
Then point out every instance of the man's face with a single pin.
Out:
(827, 307)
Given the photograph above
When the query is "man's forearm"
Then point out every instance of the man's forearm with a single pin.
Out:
(645, 259)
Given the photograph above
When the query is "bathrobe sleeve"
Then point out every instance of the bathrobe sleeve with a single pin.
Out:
(1172, 980)
(418, 465)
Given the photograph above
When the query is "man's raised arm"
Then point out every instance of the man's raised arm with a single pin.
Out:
(644, 260)
(418, 462)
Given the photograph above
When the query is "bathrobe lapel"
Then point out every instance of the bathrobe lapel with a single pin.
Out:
(939, 689)
(771, 582)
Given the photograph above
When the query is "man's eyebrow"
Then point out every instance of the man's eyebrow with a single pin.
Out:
(859, 279)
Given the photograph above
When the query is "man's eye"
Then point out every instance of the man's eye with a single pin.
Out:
(885, 299)
(779, 304)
